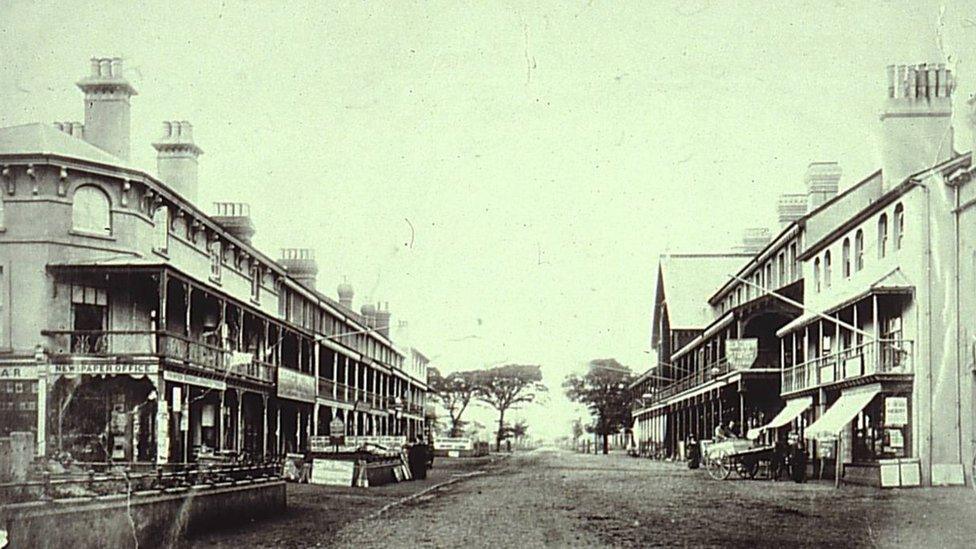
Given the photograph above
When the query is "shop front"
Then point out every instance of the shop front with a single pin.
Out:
(18, 397)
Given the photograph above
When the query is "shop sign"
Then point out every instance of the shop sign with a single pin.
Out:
(453, 444)
(296, 385)
(332, 472)
(179, 377)
(103, 369)
(741, 353)
(337, 432)
(18, 371)
(896, 411)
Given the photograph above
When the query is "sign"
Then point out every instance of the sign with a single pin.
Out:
(238, 358)
(453, 444)
(332, 472)
(337, 432)
(319, 444)
(362, 406)
(103, 369)
(18, 371)
(741, 353)
(179, 377)
(896, 411)
(295, 385)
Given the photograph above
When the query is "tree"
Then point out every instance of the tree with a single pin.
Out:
(519, 431)
(506, 388)
(604, 391)
(455, 392)
(577, 430)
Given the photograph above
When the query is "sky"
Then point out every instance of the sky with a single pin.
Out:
(505, 174)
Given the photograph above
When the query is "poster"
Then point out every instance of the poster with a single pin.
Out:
(896, 411)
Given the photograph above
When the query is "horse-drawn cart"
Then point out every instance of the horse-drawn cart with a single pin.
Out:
(722, 458)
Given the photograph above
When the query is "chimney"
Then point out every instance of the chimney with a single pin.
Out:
(822, 180)
(383, 319)
(790, 207)
(755, 239)
(176, 158)
(235, 218)
(300, 264)
(916, 124)
(74, 129)
(107, 95)
(345, 294)
(369, 315)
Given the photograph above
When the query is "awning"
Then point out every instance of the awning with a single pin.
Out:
(789, 412)
(842, 412)
(894, 282)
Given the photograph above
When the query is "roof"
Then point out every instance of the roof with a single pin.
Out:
(45, 139)
(687, 282)
(895, 282)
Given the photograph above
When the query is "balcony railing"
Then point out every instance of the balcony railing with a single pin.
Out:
(876, 357)
(104, 343)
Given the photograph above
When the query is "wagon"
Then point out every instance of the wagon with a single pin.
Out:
(722, 458)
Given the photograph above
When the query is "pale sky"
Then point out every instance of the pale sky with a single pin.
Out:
(505, 174)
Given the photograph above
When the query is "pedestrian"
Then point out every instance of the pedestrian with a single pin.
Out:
(694, 452)
(798, 461)
(780, 454)
(417, 459)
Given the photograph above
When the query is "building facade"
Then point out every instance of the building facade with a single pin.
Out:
(146, 330)
(868, 328)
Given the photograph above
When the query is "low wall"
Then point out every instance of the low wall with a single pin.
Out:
(146, 519)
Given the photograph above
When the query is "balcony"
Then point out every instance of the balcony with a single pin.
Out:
(115, 343)
(876, 357)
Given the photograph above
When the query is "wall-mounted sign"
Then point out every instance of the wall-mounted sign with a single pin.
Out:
(741, 353)
(18, 371)
(179, 377)
(296, 385)
(102, 369)
(896, 412)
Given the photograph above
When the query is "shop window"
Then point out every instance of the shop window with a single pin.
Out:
(899, 226)
(882, 235)
(91, 211)
(858, 250)
(881, 430)
(161, 228)
(826, 269)
(846, 257)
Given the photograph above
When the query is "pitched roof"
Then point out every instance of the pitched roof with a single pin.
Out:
(688, 281)
(45, 139)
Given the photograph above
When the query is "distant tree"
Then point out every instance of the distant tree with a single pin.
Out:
(519, 431)
(604, 391)
(455, 392)
(577, 429)
(506, 388)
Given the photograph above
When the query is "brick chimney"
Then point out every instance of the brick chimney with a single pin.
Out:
(235, 217)
(107, 115)
(790, 207)
(383, 319)
(176, 158)
(755, 239)
(917, 120)
(822, 180)
(300, 264)
(74, 129)
(346, 294)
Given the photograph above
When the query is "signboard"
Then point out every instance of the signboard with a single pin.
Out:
(179, 377)
(896, 411)
(18, 371)
(741, 353)
(331, 472)
(102, 369)
(320, 444)
(852, 366)
(453, 444)
(295, 385)
(337, 432)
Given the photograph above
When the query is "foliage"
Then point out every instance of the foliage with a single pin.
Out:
(455, 391)
(508, 387)
(604, 391)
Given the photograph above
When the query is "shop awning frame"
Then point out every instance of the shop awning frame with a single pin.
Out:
(842, 412)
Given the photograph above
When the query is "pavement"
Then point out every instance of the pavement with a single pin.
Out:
(553, 498)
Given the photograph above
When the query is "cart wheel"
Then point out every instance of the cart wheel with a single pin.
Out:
(719, 467)
(747, 469)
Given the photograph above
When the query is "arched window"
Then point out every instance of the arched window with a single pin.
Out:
(91, 211)
(858, 250)
(846, 258)
(899, 226)
(161, 222)
(816, 274)
(882, 235)
(826, 269)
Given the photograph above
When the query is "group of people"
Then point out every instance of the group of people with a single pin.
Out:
(420, 458)
(789, 455)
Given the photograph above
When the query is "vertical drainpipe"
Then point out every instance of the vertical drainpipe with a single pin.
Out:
(956, 214)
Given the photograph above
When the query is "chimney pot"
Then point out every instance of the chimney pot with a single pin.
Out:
(105, 68)
(117, 67)
(107, 110)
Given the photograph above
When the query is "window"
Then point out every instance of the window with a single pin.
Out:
(826, 269)
(91, 211)
(846, 258)
(255, 282)
(816, 274)
(858, 250)
(215, 261)
(781, 264)
(161, 222)
(882, 235)
(899, 226)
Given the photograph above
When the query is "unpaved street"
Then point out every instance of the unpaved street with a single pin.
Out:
(559, 499)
